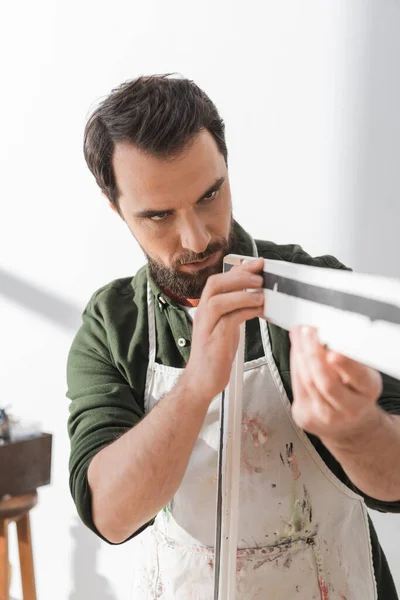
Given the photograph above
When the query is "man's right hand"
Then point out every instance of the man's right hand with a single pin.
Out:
(224, 305)
(135, 476)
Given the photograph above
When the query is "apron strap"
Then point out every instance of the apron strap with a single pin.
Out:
(152, 345)
(263, 324)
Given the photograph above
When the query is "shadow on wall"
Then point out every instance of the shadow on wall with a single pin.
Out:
(375, 235)
(376, 240)
(88, 584)
(48, 305)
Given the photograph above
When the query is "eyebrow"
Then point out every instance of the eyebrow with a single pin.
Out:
(147, 214)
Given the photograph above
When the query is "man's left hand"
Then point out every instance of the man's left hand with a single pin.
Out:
(335, 398)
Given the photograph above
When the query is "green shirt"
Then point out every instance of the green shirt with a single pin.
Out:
(108, 361)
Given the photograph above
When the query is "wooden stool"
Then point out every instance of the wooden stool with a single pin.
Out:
(17, 509)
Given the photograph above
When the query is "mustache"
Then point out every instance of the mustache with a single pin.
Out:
(193, 256)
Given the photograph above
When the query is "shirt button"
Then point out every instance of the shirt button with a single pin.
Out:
(182, 342)
(163, 300)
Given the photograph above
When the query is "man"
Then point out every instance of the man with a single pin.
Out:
(155, 351)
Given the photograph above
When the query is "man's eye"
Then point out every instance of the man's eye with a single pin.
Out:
(160, 217)
(211, 195)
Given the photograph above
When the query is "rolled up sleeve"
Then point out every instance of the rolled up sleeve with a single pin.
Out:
(103, 406)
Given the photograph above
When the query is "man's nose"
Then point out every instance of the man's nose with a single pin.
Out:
(194, 235)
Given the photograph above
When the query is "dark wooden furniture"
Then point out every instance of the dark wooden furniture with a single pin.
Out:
(25, 465)
(16, 509)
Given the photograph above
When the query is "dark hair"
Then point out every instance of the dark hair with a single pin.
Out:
(159, 114)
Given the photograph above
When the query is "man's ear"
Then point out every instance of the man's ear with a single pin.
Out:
(112, 206)
(110, 203)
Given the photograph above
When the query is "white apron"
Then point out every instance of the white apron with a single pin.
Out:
(302, 533)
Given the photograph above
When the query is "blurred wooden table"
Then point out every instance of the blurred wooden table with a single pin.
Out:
(16, 509)
(25, 466)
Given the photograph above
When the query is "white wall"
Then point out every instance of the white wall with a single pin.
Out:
(310, 94)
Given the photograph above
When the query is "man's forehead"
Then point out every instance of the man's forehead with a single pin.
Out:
(144, 177)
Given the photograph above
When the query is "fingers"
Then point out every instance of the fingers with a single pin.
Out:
(328, 386)
(236, 318)
(336, 374)
(238, 278)
(307, 407)
(227, 303)
(318, 376)
(226, 293)
(253, 266)
(221, 305)
(361, 378)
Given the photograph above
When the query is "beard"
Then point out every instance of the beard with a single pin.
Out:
(190, 285)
